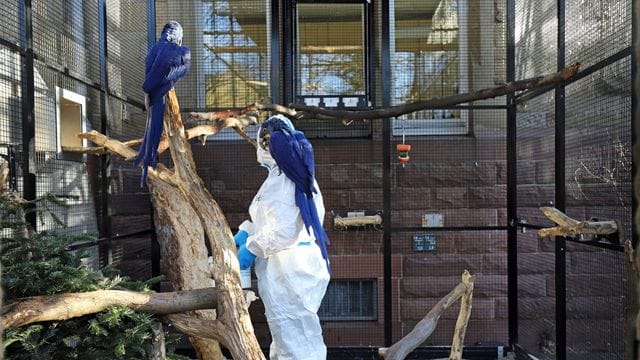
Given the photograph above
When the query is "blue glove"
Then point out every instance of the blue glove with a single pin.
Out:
(245, 257)
(240, 238)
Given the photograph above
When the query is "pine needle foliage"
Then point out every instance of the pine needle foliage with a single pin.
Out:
(40, 263)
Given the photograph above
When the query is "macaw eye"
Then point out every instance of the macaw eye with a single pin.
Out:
(265, 142)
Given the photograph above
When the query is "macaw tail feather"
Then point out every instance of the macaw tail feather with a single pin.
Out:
(309, 214)
(148, 152)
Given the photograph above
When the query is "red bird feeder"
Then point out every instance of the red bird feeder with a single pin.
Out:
(403, 152)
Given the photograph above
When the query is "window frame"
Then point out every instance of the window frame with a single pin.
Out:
(439, 126)
(81, 100)
(352, 318)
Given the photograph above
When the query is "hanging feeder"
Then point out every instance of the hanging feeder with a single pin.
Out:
(403, 152)
(403, 149)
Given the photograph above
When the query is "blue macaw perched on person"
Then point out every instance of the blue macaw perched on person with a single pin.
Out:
(167, 62)
(293, 154)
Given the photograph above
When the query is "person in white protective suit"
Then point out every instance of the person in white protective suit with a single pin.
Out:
(292, 273)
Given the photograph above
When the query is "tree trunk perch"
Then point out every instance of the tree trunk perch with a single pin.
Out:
(236, 330)
(232, 326)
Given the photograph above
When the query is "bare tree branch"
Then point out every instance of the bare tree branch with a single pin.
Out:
(305, 111)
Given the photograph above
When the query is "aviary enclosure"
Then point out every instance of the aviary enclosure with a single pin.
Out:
(494, 136)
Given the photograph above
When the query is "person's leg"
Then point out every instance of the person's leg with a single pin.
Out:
(292, 284)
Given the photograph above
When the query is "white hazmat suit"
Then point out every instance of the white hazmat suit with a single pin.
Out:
(292, 274)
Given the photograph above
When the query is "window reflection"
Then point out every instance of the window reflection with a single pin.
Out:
(236, 52)
(330, 49)
(425, 57)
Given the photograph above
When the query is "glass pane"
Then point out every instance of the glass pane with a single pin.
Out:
(237, 48)
(424, 57)
(330, 49)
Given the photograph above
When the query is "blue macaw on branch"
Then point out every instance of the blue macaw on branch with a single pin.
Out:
(293, 154)
(167, 62)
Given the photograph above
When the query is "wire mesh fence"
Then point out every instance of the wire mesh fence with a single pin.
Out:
(597, 144)
(535, 144)
(598, 182)
(448, 194)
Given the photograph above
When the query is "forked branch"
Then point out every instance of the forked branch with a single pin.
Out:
(428, 324)
(571, 227)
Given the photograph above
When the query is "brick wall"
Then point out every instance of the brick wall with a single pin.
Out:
(462, 178)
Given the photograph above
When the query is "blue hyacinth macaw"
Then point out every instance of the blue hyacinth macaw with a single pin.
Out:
(167, 62)
(293, 154)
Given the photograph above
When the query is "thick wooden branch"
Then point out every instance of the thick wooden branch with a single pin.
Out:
(463, 317)
(112, 145)
(66, 306)
(305, 111)
(235, 329)
(98, 150)
(427, 325)
(200, 132)
(571, 227)
(342, 223)
(202, 328)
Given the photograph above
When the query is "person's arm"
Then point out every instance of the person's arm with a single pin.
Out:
(279, 227)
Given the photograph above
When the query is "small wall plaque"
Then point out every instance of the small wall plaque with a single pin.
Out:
(424, 242)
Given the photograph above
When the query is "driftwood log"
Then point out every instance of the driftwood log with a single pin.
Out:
(571, 227)
(427, 325)
(342, 223)
(463, 317)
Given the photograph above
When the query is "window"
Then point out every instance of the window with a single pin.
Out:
(71, 119)
(332, 62)
(427, 53)
(350, 300)
(330, 55)
(237, 48)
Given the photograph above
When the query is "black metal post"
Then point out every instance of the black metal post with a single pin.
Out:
(276, 35)
(155, 245)
(560, 155)
(288, 50)
(105, 159)
(28, 157)
(370, 54)
(635, 115)
(512, 190)
(635, 112)
(385, 67)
